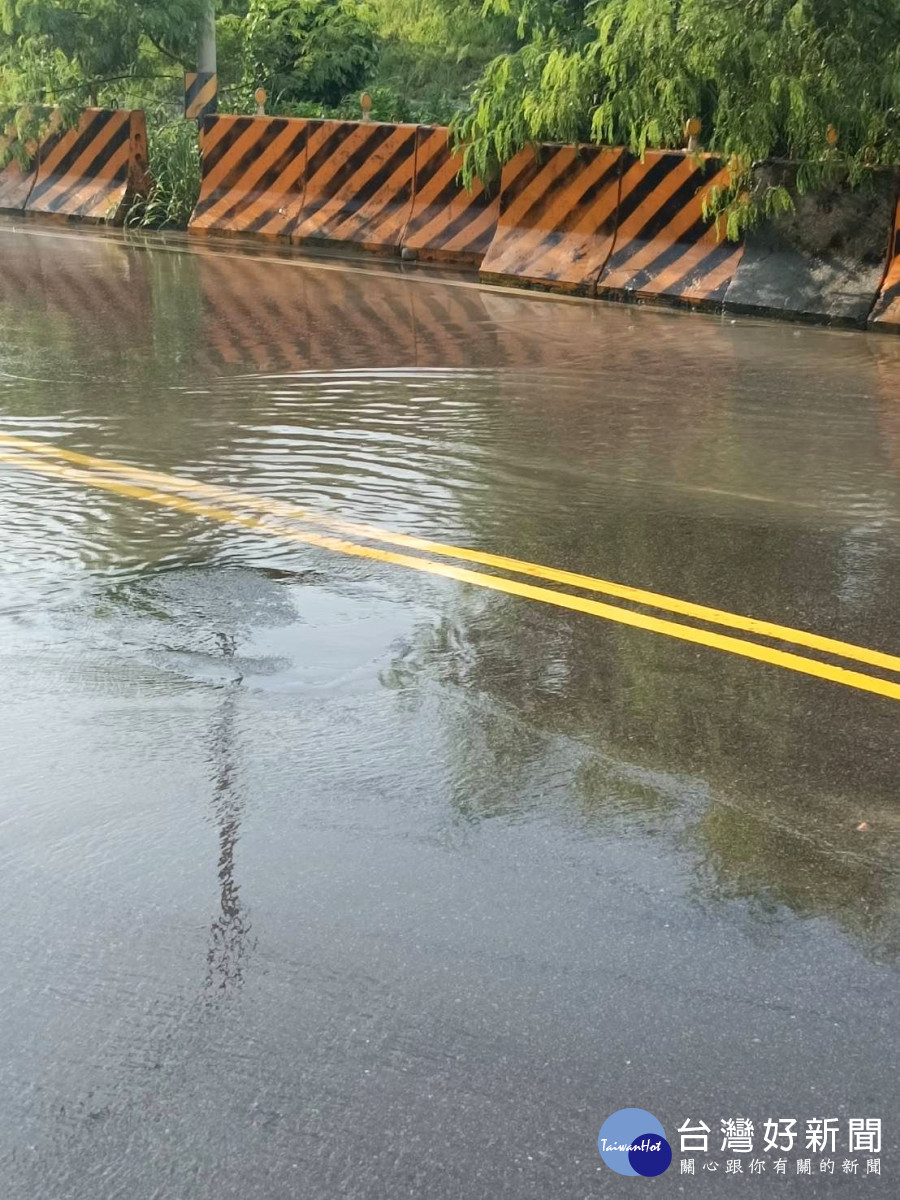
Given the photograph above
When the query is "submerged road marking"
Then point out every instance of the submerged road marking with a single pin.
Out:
(623, 616)
(687, 608)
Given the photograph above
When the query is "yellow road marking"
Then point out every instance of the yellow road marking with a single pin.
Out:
(702, 637)
(700, 612)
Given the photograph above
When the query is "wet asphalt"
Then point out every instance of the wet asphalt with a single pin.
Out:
(324, 878)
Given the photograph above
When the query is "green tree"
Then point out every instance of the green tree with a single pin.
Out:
(431, 52)
(817, 81)
(67, 51)
(307, 50)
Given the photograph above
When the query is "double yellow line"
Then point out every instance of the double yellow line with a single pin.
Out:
(279, 519)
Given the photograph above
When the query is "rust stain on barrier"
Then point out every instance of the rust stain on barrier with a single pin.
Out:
(557, 217)
(253, 175)
(359, 184)
(92, 171)
(664, 247)
(448, 223)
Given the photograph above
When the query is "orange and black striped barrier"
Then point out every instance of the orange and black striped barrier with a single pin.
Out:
(665, 249)
(886, 313)
(590, 220)
(557, 218)
(252, 175)
(93, 171)
(448, 222)
(359, 184)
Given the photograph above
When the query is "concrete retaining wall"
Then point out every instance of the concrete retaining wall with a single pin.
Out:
(825, 260)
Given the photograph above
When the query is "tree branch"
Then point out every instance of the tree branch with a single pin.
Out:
(167, 53)
(91, 84)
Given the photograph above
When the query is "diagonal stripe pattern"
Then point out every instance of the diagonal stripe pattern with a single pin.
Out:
(201, 94)
(252, 314)
(285, 320)
(359, 184)
(92, 171)
(557, 218)
(664, 248)
(448, 223)
(252, 176)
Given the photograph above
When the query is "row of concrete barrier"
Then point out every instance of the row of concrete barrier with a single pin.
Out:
(587, 220)
(90, 172)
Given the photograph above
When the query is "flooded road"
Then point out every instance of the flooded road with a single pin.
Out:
(327, 874)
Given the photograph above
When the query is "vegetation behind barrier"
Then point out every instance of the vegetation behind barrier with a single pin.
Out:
(816, 81)
(173, 152)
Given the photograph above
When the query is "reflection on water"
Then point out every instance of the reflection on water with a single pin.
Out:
(753, 468)
(230, 931)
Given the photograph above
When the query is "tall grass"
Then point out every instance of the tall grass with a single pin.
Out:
(174, 159)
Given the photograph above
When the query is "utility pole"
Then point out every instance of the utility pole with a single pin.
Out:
(201, 86)
(206, 40)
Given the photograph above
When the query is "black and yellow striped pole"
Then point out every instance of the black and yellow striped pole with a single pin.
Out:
(200, 94)
(201, 86)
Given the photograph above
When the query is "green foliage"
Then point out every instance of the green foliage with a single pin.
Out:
(417, 58)
(431, 52)
(65, 54)
(388, 104)
(307, 50)
(766, 77)
(54, 51)
(174, 158)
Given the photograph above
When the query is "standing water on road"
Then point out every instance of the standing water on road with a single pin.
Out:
(323, 876)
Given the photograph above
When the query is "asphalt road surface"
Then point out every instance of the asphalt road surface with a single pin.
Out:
(433, 719)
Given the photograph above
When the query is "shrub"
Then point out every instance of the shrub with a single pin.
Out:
(307, 50)
(174, 157)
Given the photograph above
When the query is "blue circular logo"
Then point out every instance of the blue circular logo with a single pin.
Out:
(633, 1142)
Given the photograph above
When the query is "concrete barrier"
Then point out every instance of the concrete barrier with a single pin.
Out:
(557, 218)
(359, 184)
(886, 312)
(824, 261)
(252, 175)
(93, 171)
(448, 222)
(664, 247)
